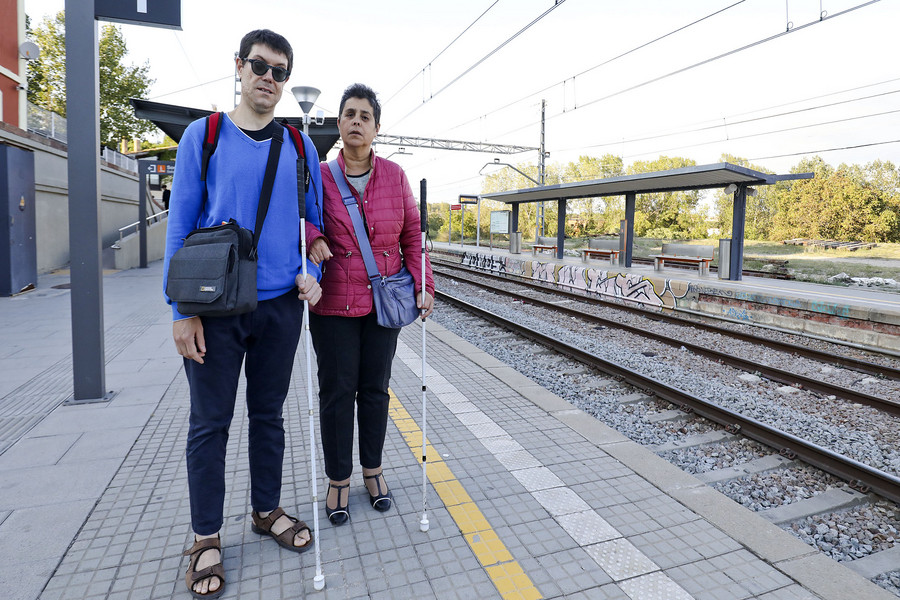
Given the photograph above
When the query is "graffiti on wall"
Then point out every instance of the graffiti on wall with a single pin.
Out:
(631, 287)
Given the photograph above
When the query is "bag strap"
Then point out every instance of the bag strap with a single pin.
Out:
(353, 209)
(268, 183)
(210, 141)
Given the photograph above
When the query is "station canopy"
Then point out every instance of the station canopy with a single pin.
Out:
(173, 120)
(686, 178)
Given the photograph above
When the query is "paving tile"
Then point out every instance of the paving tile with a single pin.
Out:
(620, 559)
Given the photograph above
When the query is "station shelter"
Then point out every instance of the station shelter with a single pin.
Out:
(720, 175)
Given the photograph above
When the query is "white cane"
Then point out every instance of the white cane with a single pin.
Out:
(423, 214)
(319, 579)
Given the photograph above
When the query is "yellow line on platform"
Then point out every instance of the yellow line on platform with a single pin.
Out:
(506, 574)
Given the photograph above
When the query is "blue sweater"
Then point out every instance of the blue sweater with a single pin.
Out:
(234, 180)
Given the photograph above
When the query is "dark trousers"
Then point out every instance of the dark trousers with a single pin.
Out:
(354, 356)
(267, 338)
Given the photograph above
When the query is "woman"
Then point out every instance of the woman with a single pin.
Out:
(354, 353)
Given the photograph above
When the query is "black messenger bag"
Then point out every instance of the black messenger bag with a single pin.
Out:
(214, 273)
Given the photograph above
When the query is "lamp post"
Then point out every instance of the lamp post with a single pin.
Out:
(537, 220)
(401, 152)
(306, 97)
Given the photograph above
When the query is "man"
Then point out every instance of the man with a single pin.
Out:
(214, 348)
(165, 196)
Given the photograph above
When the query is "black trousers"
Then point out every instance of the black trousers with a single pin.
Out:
(354, 356)
(267, 338)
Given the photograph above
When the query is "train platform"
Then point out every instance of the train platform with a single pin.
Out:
(862, 316)
(527, 496)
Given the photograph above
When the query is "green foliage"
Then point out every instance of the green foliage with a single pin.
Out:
(673, 215)
(843, 203)
(118, 81)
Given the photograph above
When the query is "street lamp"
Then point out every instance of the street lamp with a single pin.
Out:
(497, 162)
(402, 152)
(306, 97)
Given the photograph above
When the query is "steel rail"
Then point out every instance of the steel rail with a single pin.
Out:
(860, 476)
(847, 362)
(773, 373)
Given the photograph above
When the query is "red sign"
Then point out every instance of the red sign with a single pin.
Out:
(455, 206)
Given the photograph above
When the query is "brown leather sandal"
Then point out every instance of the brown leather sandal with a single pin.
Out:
(285, 539)
(192, 577)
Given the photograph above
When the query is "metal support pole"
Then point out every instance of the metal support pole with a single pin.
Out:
(478, 223)
(561, 228)
(142, 211)
(541, 160)
(737, 233)
(83, 113)
(514, 225)
(630, 201)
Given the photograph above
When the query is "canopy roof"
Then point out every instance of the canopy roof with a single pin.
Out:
(685, 178)
(173, 120)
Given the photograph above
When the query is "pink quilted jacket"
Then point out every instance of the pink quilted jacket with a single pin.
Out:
(395, 234)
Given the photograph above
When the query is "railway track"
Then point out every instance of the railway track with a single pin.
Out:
(774, 373)
(836, 359)
(858, 475)
(657, 399)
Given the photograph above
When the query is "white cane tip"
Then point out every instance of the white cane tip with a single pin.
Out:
(423, 525)
(319, 582)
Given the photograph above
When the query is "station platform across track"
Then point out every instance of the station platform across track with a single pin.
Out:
(863, 316)
(527, 496)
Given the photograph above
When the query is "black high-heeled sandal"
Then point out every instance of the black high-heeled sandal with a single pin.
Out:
(340, 514)
(381, 502)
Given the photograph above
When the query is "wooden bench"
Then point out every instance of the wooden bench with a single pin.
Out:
(686, 254)
(544, 243)
(601, 249)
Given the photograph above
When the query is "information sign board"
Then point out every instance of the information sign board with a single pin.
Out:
(155, 13)
(500, 221)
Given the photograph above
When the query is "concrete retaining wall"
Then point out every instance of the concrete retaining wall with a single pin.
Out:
(118, 202)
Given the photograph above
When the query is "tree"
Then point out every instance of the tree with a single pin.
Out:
(760, 209)
(667, 215)
(118, 81)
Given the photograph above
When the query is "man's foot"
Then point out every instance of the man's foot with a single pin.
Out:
(205, 576)
(280, 526)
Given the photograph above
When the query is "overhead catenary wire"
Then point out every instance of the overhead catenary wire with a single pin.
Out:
(692, 66)
(602, 64)
(772, 132)
(823, 150)
(556, 4)
(430, 62)
(728, 123)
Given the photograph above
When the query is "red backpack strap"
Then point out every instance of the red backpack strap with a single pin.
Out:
(298, 140)
(210, 140)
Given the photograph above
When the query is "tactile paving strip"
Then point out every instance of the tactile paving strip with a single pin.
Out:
(636, 574)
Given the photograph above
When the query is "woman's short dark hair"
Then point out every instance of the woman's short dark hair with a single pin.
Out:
(267, 38)
(363, 92)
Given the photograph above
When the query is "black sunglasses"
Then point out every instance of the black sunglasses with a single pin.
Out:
(259, 67)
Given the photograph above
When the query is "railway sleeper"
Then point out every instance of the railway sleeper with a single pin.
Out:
(830, 500)
(876, 564)
(701, 439)
(759, 465)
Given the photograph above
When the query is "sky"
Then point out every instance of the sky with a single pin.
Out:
(773, 81)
